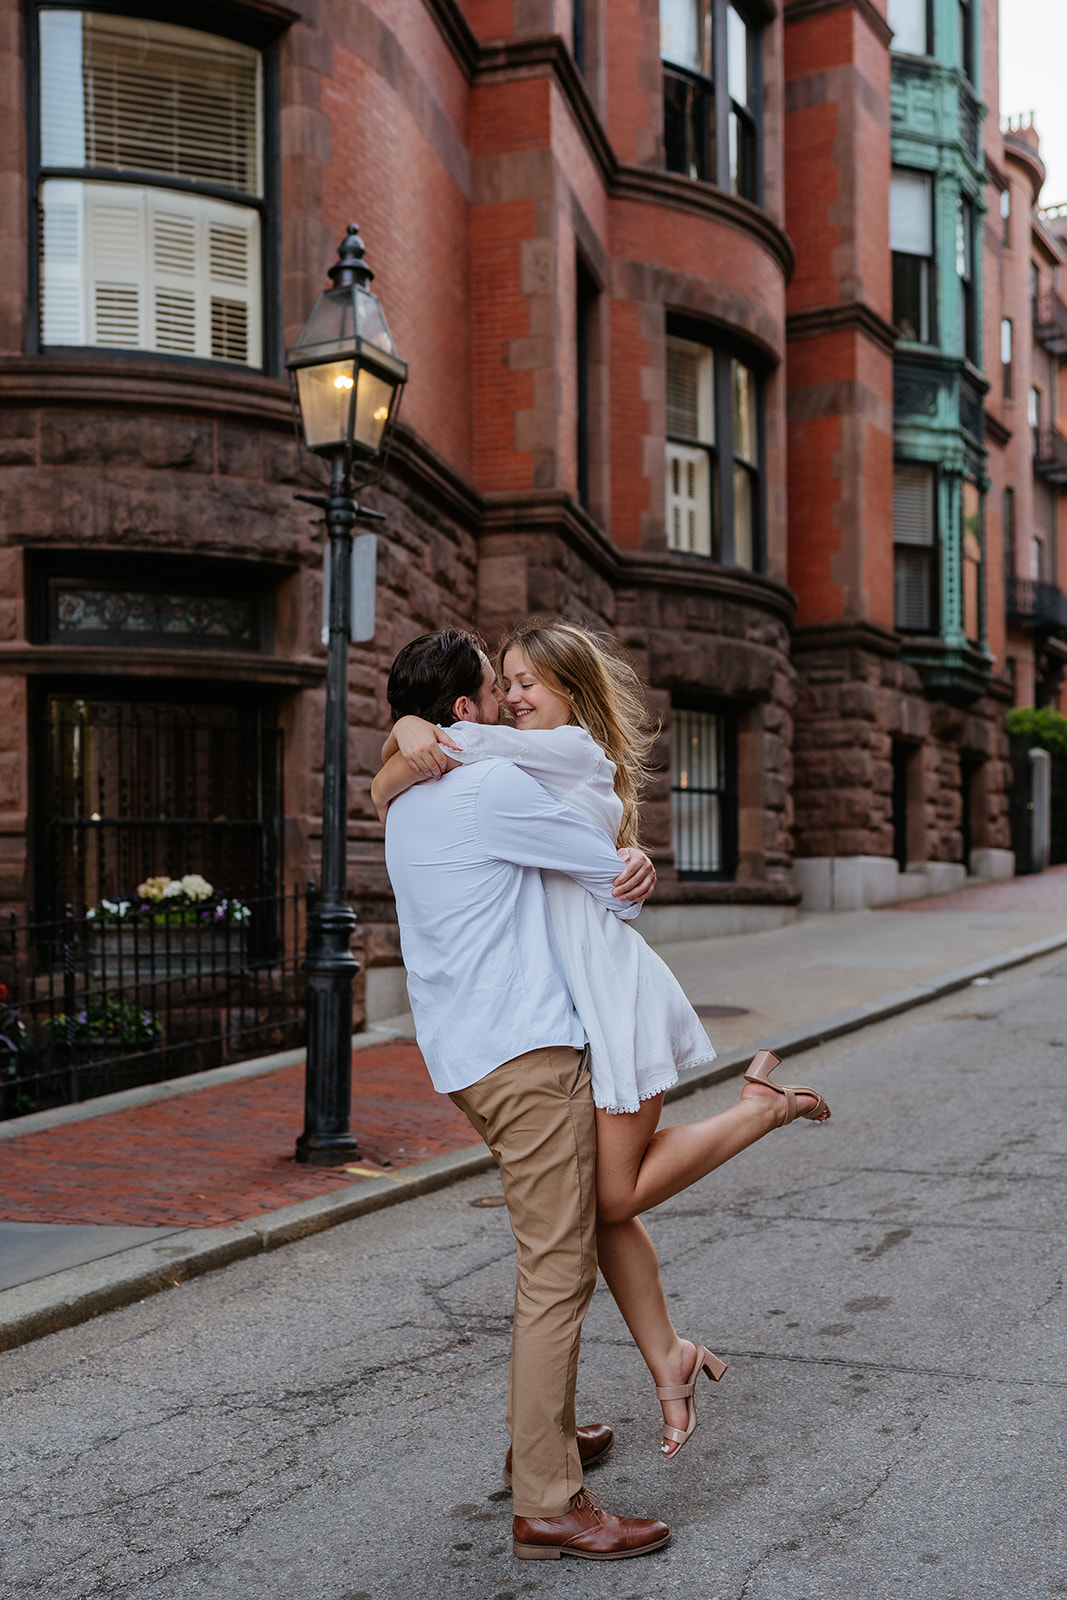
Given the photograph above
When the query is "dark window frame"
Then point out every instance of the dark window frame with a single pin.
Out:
(587, 296)
(711, 108)
(721, 485)
(728, 715)
(260, 34)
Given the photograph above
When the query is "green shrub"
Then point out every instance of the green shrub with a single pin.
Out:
(1039, 726)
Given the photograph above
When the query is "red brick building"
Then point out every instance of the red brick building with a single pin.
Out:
(638, 260)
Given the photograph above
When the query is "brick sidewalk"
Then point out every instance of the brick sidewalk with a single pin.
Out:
(224, 1154)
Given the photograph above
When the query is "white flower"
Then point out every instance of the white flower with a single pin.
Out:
(171, 889)
(195, 887)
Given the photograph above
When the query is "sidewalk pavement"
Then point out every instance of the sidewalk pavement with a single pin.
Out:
(103, 1203)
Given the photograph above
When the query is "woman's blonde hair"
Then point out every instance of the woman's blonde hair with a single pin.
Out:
(606, 695)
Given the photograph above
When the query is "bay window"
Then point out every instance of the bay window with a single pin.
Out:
(150, 188)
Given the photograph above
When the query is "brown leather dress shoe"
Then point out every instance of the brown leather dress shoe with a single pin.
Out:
(588, 1531)
(594, 1443)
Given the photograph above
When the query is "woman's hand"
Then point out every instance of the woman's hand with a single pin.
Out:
(637, 879)
(423, 746)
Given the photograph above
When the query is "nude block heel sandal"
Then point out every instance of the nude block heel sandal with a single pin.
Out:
(763, 1064)
(685, 1391)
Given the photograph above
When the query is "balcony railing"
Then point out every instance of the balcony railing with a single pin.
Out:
(1050, 323)
(1039, 603)
(1050, 455)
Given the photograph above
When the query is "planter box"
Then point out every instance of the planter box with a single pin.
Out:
(180, 951)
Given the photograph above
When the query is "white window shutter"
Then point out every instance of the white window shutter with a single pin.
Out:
(688, 499)
(233, 284)
(115, 266)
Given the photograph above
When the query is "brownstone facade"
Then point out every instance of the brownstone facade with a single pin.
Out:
(656, 384)
(493, 177)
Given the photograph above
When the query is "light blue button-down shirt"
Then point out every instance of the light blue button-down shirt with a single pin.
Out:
(464, 855)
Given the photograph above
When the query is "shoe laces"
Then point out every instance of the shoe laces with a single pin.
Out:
(586, 1500)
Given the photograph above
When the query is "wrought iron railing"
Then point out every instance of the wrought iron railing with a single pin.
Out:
(95, 1003)
(1041, 603)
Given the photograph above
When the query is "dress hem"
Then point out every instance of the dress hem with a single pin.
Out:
(657, 1088)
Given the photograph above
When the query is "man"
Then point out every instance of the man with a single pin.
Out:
(500, 1036)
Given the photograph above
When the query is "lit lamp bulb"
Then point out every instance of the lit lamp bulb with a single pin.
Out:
(381, 413)
(343, 382)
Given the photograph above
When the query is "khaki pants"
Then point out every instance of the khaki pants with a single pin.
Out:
(536, 1115)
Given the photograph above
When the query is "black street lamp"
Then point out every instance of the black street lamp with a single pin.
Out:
(347, 380)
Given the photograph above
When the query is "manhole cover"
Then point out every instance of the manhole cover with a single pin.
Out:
(485, 1200)
(721, 1011)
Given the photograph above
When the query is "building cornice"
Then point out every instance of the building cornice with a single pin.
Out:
(145, 384)
(800, 10)
(109, 661)
(846, 636)
(851, 318)
(705, 200)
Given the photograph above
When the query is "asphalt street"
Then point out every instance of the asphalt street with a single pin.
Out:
(326, 1422)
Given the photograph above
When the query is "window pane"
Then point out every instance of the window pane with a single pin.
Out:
(907, 18)
(913, 505)
(911, 297)
(685, 34)
(743, 387)
(149, 269)
(744, 519)
(972, 560)
(142, 96)
(911, 213)
(690, 412)
(736, 57)
(688, 126)
(689, 490)
(913, 590)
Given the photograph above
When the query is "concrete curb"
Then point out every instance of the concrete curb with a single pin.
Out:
(62, 1300)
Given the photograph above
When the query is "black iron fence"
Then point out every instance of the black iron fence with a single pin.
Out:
(94, 1003)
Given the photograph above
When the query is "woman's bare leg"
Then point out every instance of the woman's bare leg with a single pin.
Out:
(627, 1259)
(639, 1165)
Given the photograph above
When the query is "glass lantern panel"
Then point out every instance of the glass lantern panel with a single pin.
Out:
(374, 398)
(325, 400)
(370, 321)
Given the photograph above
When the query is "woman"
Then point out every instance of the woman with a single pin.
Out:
(580, 728)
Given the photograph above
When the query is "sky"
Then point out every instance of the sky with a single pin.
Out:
(1033, 77)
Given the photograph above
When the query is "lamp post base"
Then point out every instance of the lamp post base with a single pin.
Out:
(330, 967)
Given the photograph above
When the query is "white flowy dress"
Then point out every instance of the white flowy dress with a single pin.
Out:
(642, 1030)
